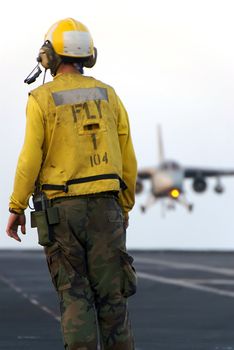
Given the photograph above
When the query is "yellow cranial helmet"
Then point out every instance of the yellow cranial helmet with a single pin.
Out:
(67, 41)
(70, 38)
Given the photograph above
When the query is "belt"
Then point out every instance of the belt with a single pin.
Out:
(81, 180)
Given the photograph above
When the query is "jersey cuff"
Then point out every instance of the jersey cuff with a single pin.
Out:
(13, 211)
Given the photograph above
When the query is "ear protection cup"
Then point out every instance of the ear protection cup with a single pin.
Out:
(90, 62)
(48, 58)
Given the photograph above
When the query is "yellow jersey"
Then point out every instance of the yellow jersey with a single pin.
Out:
(76, 128)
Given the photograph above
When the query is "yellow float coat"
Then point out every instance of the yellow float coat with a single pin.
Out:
(76, 127)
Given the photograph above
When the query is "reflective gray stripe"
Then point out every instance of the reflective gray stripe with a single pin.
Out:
(79, 95)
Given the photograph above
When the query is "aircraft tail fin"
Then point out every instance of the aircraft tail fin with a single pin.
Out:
(161, 155)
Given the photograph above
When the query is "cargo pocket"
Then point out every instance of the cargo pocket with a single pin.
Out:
(129, 283)
(60, 275)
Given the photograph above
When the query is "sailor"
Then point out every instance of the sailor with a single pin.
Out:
(79, 164)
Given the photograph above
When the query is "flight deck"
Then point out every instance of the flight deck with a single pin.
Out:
(185, 301)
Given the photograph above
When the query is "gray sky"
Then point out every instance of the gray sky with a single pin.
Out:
(171, 62)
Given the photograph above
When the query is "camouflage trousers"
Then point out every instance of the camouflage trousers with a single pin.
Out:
(92, 273)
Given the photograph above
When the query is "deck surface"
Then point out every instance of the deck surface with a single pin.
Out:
(185, 301)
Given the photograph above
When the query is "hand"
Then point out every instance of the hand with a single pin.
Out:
(14, 221)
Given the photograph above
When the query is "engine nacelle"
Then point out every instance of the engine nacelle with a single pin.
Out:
(219, 189)
(199, 184)
(139, 186)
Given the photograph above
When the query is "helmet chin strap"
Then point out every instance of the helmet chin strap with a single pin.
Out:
(78, 67)
(44, 76)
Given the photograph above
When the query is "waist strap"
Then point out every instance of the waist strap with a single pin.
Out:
(81, 180)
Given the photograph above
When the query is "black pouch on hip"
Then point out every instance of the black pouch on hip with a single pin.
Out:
(44, 220)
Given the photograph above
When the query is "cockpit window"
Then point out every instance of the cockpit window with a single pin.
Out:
(170, 166)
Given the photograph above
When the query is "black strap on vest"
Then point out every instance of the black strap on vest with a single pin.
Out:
(81, 180)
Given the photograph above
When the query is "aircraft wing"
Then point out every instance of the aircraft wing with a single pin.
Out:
(145, 173)
(202, 172)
